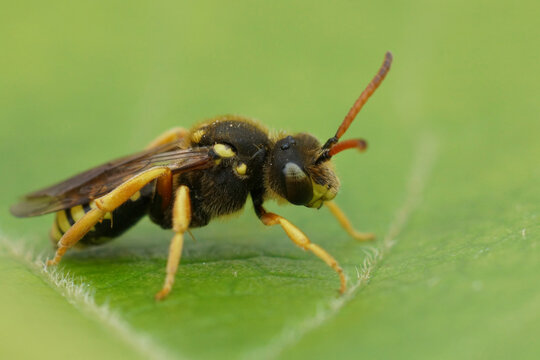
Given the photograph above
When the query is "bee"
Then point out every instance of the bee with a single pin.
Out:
(186, 178)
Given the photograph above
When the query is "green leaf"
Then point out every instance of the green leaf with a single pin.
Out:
(450, 182)
(37, 320)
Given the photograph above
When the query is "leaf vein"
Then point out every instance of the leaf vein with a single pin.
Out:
(292, 334)
(77, 294)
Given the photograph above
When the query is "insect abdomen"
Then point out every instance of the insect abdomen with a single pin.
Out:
(112, 225)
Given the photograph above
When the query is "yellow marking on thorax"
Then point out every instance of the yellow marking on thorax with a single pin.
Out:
(197, 136)
(63, 221)
(241, 169)
(223, 150)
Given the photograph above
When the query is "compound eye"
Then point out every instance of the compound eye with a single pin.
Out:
(298, 186)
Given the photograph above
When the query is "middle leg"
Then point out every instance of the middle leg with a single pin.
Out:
(181, 217)
(346, 224)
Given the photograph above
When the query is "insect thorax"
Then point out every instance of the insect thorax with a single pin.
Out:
(223, 189)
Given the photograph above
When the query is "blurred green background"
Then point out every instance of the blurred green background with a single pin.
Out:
(85, 82)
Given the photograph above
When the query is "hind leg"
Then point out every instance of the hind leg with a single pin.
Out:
(171, 135)
(105, 204)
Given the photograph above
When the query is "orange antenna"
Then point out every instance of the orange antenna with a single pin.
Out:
(359, 144)
(369, 90)
(328, 150)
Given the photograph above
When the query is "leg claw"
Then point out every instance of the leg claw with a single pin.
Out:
(162, 294)
(51, 263)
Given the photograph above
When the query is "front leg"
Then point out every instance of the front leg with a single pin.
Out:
(346, 224)
(301, 240)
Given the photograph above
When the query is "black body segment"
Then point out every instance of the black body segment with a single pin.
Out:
(113, 225)
(223, 188)
(229, 158)
(290, 157)
(216, 189)
(246, 136)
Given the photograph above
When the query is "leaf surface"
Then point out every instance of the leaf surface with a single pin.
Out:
(449, 183)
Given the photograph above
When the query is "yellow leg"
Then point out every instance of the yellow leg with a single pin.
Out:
(181, 219)
(168, 136)
(105, 204)
(300, 239)
(346, 224)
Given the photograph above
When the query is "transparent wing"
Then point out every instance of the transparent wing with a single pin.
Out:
(98, 181)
